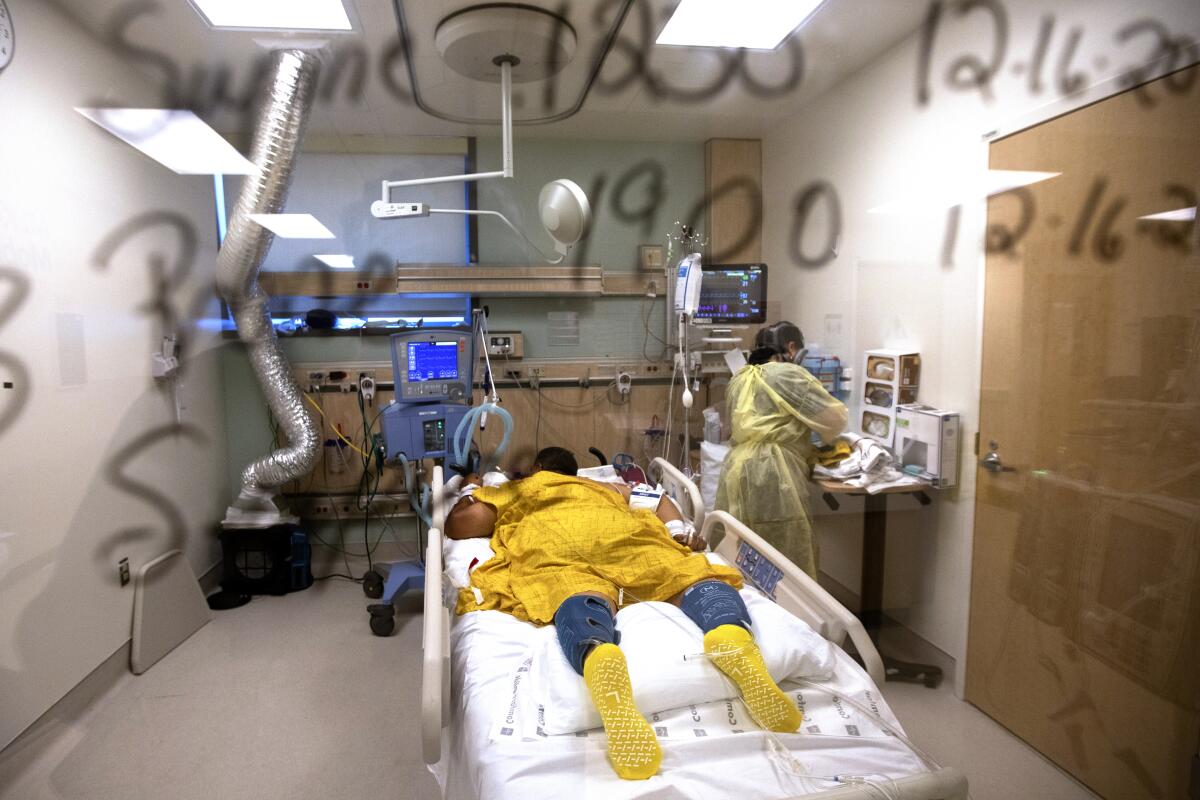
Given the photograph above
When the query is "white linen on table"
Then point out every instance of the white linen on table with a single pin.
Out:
(488, 651)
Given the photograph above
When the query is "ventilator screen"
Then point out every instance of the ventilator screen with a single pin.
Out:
(430, 361)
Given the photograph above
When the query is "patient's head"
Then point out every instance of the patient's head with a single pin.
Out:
(555, 459)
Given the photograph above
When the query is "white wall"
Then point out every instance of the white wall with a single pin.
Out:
(92, 465)
(872, 141)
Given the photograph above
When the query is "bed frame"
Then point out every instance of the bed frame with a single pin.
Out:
(763, 566)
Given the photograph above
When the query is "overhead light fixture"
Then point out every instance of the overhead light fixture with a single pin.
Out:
(336, 261)
(293, 226)
(751, 24)
(504, 42)
(563, 208)
(1178, 215)
(312, 15)
(937, 199)
(179, 140)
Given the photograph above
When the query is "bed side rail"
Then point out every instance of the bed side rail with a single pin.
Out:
(435, 638)
(681, 489)
(437, 484)
(789, 586)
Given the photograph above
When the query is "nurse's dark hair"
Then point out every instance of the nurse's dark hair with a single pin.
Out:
(556, 459)
(778, 336)
(761, 355)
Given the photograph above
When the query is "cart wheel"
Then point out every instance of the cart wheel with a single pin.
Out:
(382, 626)
(372, 585)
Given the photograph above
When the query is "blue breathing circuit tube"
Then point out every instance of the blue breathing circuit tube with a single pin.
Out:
(421, 501)
(466, 430)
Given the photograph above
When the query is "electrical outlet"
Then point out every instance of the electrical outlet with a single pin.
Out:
(123, 571)
(535, 376)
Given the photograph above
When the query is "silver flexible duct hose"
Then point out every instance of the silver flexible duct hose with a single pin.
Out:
(278, 132)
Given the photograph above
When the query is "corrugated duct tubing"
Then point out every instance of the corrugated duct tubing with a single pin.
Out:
(278, 131)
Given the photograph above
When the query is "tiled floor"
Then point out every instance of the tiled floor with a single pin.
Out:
(292, 697)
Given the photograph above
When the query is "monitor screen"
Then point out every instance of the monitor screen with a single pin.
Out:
(733, 294)
(432, 361)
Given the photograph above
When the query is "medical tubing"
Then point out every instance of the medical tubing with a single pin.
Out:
(876, 717)
(418, 500)
(278, 132)
(463, 435)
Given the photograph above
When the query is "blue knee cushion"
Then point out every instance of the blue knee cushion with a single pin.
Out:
(584, 621)
(711, 604)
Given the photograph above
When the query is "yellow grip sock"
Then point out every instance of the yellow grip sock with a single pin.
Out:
(733, 650)
(632, 747)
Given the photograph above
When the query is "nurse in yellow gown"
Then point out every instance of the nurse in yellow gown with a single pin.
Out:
(774, 408)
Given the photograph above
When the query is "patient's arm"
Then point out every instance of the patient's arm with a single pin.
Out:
(667, 511)
(470, 519)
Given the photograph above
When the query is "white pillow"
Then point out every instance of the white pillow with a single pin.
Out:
(666, 666)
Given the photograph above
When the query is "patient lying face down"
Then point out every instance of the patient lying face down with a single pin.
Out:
(571, 551)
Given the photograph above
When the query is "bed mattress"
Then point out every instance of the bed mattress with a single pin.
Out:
(493, 747)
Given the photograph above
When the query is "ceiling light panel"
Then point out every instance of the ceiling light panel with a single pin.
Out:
(752, 24)
(313, 15)
(336, 261)
(179, 140)
(293, 226)
(1178, 215)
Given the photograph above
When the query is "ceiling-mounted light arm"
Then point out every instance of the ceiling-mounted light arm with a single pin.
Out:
(506, 63)
(563, 208)
(506, 146)
(472, 212)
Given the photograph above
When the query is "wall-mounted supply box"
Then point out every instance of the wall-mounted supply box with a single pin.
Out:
(927, 439)
(890, 378)
(897, 367)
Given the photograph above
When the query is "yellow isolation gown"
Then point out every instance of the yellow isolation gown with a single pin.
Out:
(558, 535)
(774, 408)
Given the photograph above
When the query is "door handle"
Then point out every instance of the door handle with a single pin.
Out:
(992, 461)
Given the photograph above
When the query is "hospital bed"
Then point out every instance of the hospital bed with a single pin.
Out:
(462, 750)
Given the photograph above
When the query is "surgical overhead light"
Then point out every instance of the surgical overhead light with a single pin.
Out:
(563, 208)
(505, 42)
(751, 24)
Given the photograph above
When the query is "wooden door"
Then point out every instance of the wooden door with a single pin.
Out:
(1085, 594)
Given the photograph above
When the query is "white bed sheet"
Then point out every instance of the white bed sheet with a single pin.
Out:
(489, 653)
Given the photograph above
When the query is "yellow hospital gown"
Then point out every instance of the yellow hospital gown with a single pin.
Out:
(774, 409)
(558, 535)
